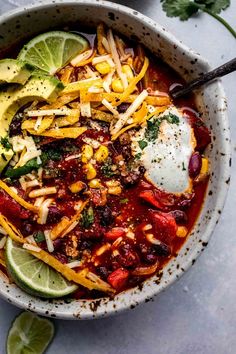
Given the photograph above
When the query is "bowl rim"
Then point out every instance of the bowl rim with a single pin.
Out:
(142, 296)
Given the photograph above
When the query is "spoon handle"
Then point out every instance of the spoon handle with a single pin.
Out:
(203, 79)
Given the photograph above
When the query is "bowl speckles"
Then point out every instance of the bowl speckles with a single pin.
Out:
(24, 23)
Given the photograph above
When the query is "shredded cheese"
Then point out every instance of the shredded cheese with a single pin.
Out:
(2, 231)
(74, 264)
(132, 108)
(30, 247)
(42, 191)
(100, 59)
(116, 59)
(81, 57)
(3, 242)
(110, 107)
(85, 109)
(108, 80)
(49, 112)
(44, 210)
(106, 45)
(49, 242)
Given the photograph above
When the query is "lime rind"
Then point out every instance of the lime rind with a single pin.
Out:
(29, 334)
(34, 276)
(52, 50)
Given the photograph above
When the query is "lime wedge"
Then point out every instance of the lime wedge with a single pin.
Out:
(34, 276)
(29, 334)
(52, 50)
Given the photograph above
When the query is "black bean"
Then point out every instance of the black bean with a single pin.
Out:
(27, 228)
(54, 215)
(106, 217)
(123, 107)
(180, 216)
(162, 249)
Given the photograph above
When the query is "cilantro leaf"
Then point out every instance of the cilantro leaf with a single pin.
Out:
(184, 9)
(180, 8)
(215, 6)
(142, 144)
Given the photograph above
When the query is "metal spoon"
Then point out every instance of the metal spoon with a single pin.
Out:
(222, 70)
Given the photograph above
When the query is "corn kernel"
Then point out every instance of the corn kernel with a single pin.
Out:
(77, 187)
(90, 171)
(103, 67)
(87, 153)
(117, 86)
(115, 190)
(182, 231)
(112, 183)
(205, 166)
(101, 154)
(95, 183)
(126, 69)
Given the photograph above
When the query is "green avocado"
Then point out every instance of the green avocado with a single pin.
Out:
(13, 97)
(15, 71)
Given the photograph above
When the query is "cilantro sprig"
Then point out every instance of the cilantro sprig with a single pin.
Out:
(184, 9)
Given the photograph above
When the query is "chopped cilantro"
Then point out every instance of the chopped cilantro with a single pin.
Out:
(39, 236)
(142, 144)
(106, 169)
(171, 118)
(87, 218)
(6, 143)
(138, 156)
(153, 125)
(183, 167)
(124, 201)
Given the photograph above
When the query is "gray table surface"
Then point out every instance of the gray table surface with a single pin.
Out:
(198, 313)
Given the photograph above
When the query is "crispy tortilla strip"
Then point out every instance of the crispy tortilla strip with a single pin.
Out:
(101, 115)
(61, 101)
(61, 133)
(100, 34)
(65, 223)
(17, 198)
(66, 75)
(45, 124)
(132, 85)
(152, 100)
(67, 120)
(78, 278)
(82, 85)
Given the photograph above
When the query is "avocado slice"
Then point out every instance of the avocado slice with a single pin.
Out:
(15, 71)
(13, 97)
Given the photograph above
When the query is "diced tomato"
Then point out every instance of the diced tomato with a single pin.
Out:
(11, 209)
(157, 198)
(149, 197)
(115, 233)
(118, 278)
(164, 225)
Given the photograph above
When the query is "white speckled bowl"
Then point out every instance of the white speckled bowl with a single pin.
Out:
(31, 20)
